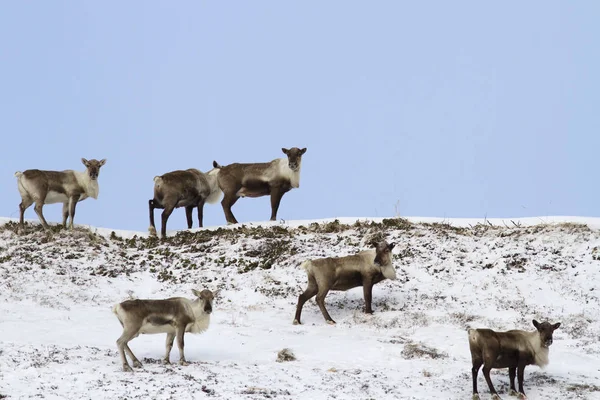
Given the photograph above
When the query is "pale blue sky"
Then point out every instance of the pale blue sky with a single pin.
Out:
(445, 109)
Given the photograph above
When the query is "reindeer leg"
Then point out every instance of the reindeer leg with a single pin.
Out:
(38, 210)
(180, 331)
(200, 212)
(512, 373)
(151, 207)
(136, 362)
(188, 216)
(169, 346)
(24, 205)
(321, 302)
(65, 214)
(276, 195)
(368, 294)
(520, 376)
(72, 204)
(486, 374)
(126, 336)
(310, 291)
(227, 202)
(165, 216)
(474, 372)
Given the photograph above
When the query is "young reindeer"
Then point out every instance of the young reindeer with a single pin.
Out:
(68, 187)
(189, 188)
(273, 178)
(173, 316)
(365, 269)
(514, 349)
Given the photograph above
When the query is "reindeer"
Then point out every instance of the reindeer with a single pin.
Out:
(273, 178)
(173, 316)
(189, 188)
(365, 269)
(514, 349)
(68, 187)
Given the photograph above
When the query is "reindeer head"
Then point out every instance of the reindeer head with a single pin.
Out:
(383, 258)
(206, 297)
(93, 167)
(294, 157)
(545, 329)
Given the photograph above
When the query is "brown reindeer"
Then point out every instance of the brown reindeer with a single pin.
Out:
(189, 188)
(365, 269)
(68, 187)
(514, 349)
(273, 179)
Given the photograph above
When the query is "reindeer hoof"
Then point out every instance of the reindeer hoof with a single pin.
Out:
(184, 363)
(521, 396)
(331, 322)
(296, 322)
(137, 364)
(127, 368)
(476, 397)
(166, 361)
(495, 396)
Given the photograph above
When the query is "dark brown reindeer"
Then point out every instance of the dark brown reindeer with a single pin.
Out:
(188, 188)
(365, 269)
(273, 178)
(173, 316)
(514, 349)
(47, 187)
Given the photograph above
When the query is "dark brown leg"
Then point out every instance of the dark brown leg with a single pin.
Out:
(512, 373)
(151, 207)
(227, 202)
(188, 216)
(200, 212)
(276, 195)
(486, 374)
(474, 372)
(368, 294)
(165, 216)
(520, 376)
(308, 294)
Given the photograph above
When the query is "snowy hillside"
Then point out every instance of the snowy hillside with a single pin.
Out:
(57, 331)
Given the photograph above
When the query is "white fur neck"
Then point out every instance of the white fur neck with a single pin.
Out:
(213, 183)
(540, 353)
(90, 186)
(202, 320)
(285, 171)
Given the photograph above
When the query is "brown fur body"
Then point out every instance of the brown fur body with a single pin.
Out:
(173, 316)
(273, 179)
(514, 349)
(48, 187)
(365, 269)
(183, 188)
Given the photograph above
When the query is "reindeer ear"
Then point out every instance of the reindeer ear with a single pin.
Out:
(285, 151)
(216, 292)
(84, 161)
(536, 324)
(216, 165)
(391, 246)
(102, 162)
(196, 293)
(303, 150)
(556, 325)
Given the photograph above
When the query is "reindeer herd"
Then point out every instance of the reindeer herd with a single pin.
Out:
(192, 188)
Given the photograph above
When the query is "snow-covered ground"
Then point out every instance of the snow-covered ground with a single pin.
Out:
(57, 331)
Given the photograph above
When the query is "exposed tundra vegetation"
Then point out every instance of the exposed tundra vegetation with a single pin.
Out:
(57, 288)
